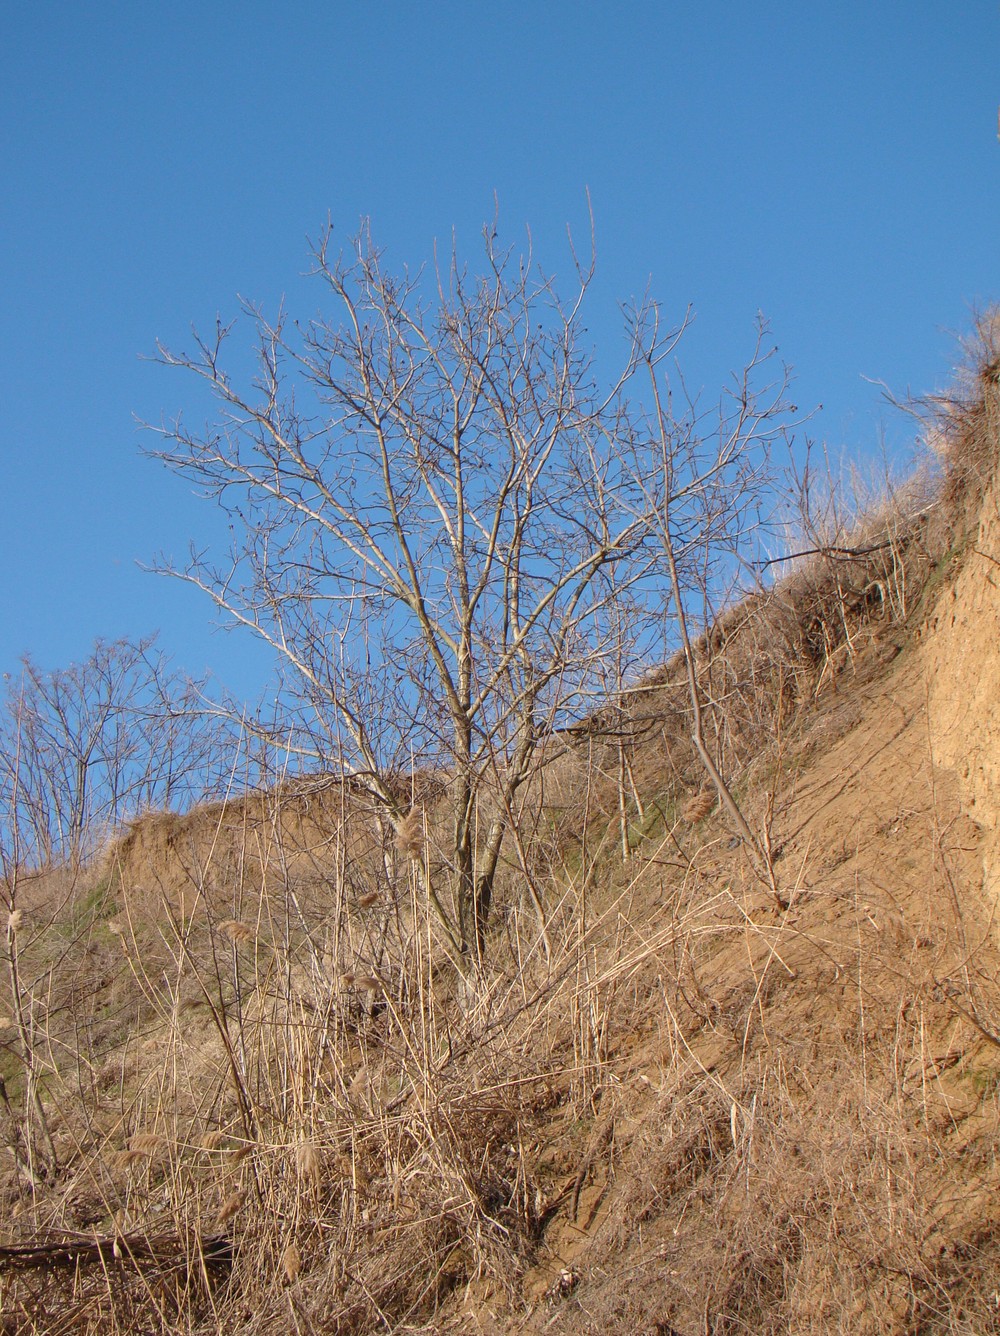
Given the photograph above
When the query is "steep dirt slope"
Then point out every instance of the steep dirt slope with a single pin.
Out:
(264, 1105)
(798, 1131)
(716, 1117)
(961, 654)
(803, 1139)
(723, 1117)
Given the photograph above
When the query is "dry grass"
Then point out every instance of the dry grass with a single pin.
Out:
(271, 1107)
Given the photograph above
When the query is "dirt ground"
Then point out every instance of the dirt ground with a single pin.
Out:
(701, 1113)
(807, 1141)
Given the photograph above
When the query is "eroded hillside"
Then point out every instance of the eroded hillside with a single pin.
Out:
(259, 1100)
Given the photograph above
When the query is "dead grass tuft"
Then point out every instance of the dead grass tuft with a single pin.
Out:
(146, 1143)
(963, 424)
(308, 1163)
(410, 833)
(236, 931)
(699, 807)
(291, 1263)
(232, 1204)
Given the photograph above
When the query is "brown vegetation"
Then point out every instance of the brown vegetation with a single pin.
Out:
(262, 1101)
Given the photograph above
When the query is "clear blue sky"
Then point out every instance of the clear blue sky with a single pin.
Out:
(835, 166)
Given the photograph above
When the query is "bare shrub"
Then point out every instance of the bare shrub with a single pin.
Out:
(963, 424)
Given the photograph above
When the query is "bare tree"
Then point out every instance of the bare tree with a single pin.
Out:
(433, 515)
(86, 747)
